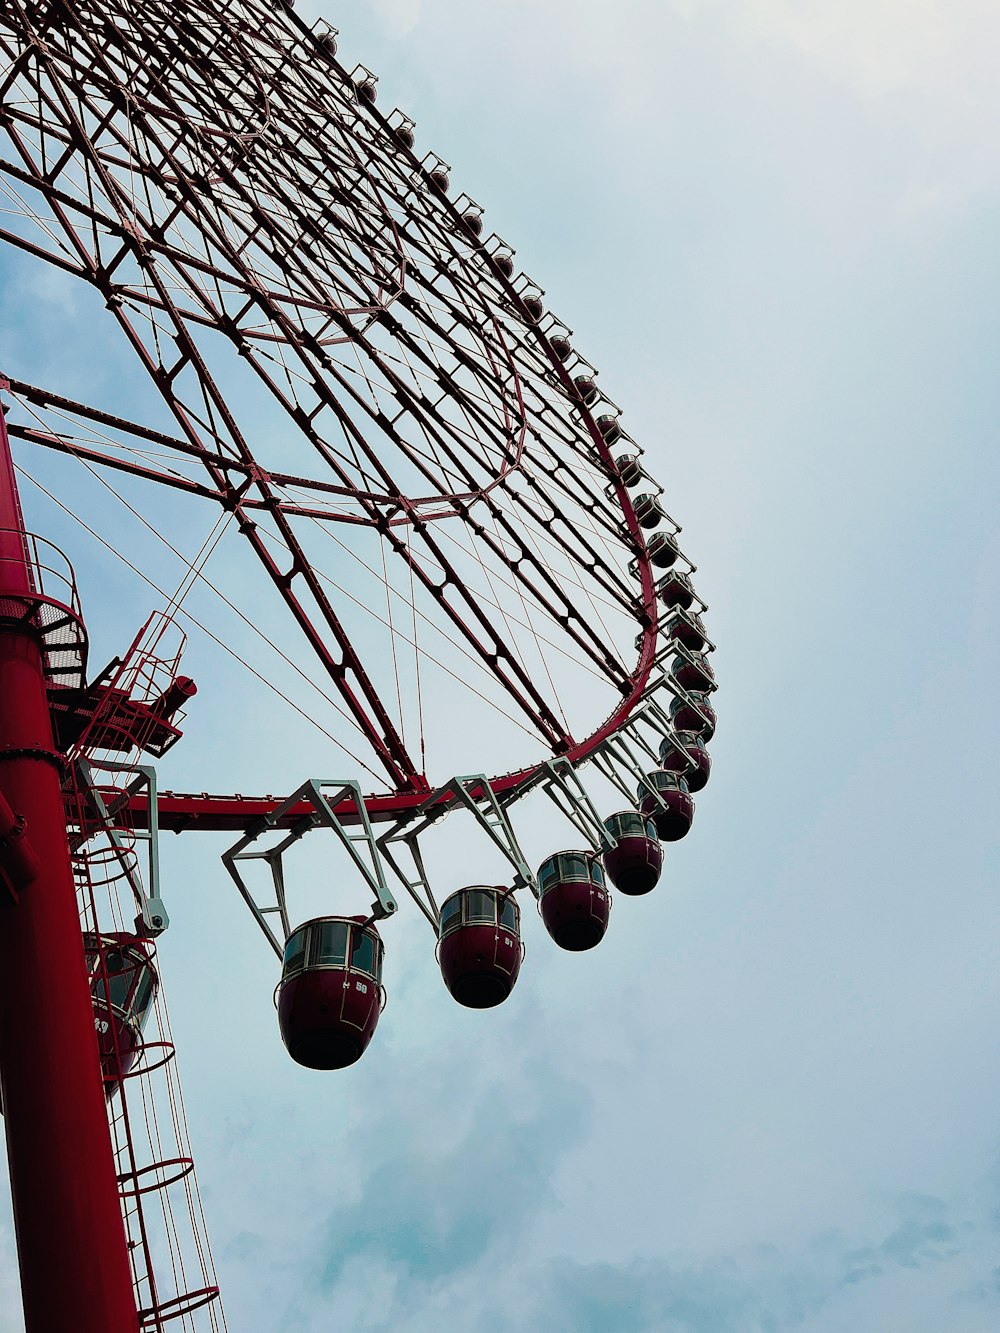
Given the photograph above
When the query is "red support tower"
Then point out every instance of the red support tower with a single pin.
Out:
(67, 1214)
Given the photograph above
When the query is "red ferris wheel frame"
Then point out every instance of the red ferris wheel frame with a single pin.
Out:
(218, 178)
(105, 244)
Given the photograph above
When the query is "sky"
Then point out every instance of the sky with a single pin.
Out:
(768, 1101)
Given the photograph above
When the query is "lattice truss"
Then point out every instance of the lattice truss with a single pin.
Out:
(394, 406)
(116, 873)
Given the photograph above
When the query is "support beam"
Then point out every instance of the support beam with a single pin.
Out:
(75, 1271)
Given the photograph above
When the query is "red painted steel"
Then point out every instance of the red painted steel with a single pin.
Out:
(70, 1236)
(18, 862)
(114, 247)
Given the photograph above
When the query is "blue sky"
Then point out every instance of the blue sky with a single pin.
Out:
(768, 1102)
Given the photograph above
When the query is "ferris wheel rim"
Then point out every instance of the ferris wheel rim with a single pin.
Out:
(411, 512)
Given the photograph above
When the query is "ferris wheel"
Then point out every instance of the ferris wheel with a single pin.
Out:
(346, 370)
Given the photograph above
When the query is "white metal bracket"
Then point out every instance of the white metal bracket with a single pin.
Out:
(140, 780)
(561, 783)
(473, 791)
(324, 796)
(624, 755)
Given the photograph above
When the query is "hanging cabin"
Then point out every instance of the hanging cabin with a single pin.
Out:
(472, 221)
(609, 427)
(479, 944)
(573, 900)
(403, 132)
(675, 590)
(664, 798)
(694, 713)
(648, 510)
(687, 629)
(634, 863)
(123, 986)
(330, 994)
(532, 303)
(693, 671)
(685, 752)
(586, 388)
(629, 468)
(662, 548)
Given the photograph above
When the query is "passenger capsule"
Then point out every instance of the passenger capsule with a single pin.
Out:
(693, 671)
(687, 628)
(533, 306)
(479, 945)
(328, 43)
(367, 91)
(668, 805)
(122, 990)
(330, 995)
(629, 468)
(440, 180)
(403, 133)
(648, 510)
(662, 548)
(473, 222)
(635, 862)
(561, 346)
(573, 900)
(586, 388)
(504, 261)
(676, 589)
(695, 714)
(685, 752)
(609, 428)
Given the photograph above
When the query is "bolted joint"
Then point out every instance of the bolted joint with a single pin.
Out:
(18, 861)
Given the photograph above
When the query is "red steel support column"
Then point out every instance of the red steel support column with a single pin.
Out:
(75, 1274)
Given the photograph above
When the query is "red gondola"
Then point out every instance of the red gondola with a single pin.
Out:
(573, 900)
(586, 388)
(673, 813)
(330, 995)
(561, 346)
(403, 133)
(629, 468)
(662, 548)
(693, 671)
(504, 260)
(648, 510)
(367, 91)
(694, 713)
(123, 984)
(609, 428)
(687, 628)
(635, 862)
(684, 748)
(479, 944)
(533, 306)
(676, 589)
